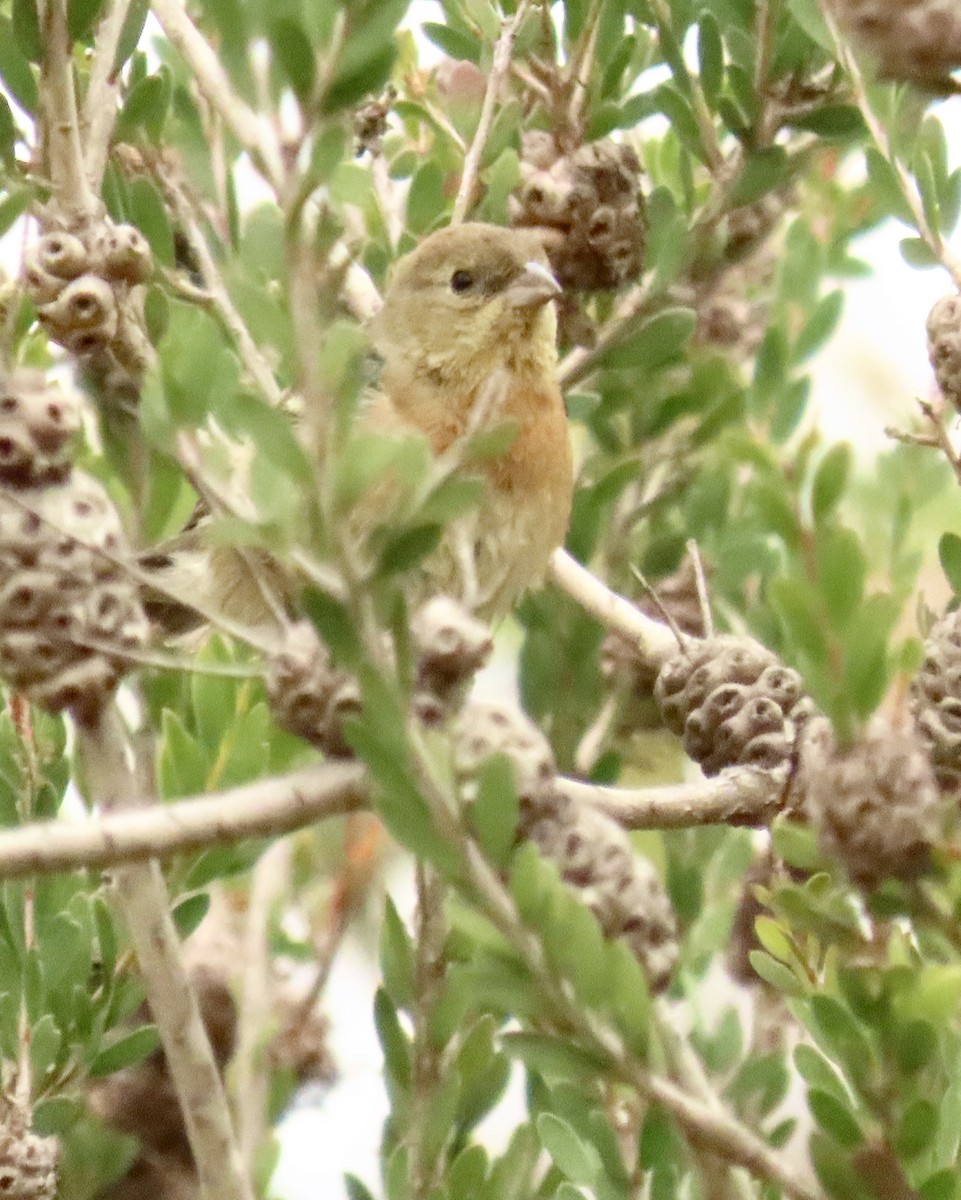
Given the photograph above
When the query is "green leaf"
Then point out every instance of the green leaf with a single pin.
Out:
(246, 415)
(573, 1157)
(917, 253)
(15, 69)
(467, 1174)
(295, 54)
(710, 56)
(885, 186)
(26, 29)
(773, 938)
(81, 15)
(13, 207)
(183, 766)
(943, 1185)
(937, 993)
(808, 15)
(409, 548)
(842, 572)
(915, 1045)
(835, 1118)
(393, 1041)
(146, 107)
(764, 171)
(831, 481)
(834, 122)
(8, 133)
(819, 326)
(148, 212)
(457, 43)
(552, 1057)
(819, 1074)
(131, 33)
(494, 813)
(361, 73)
(45, 1043)
(334, 623)
(396, 957)
(125, 1050)
(106, 936)
(949, 552)
(659, 340)
(917, 1128)
(770, 368)
(357, 1190)
(425, 200)
(775, 973)
(799, 611)
(188, 913)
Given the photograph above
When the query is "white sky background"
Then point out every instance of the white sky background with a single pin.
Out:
(868, 376)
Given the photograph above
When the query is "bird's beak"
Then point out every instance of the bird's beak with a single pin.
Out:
(533, 287)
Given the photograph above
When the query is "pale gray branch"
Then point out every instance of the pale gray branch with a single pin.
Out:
(100, 103)
(64, 153)
(212, 80)
(652, 638)
(503, 49)
(270, 807)
(738, 796)
(145, 906)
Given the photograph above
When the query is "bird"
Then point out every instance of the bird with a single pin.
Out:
(467, 324)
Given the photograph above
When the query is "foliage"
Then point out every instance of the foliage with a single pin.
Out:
(766, 151)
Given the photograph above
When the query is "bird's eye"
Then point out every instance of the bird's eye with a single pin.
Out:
(461, 281)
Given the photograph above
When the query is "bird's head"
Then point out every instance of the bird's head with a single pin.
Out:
(470, 299)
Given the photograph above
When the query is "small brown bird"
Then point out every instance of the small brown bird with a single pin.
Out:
(467, 337)
(467, 321)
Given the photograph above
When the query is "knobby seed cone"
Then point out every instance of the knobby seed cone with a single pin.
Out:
(451, 646)
(487, 727)
(593, 854)
(312, 698)
(622, 890)
(944, 346)
(875, 805)
(936, 701)
(749, 225)
(69, 614)
(28, 1163)
(733, 703)
(308, 695)
(589, 204)
(917, 40)
(87, 282)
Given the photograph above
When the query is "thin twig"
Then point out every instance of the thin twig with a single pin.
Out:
(906, 185)
(579, 71)
(212, 80)
(581, 361)
(702, 111)
(100, 103)
(429, 972)
(30, 769)
(724, 1182)
(250, 353)
(250, 1082)
(738, 796)
(652, 639)
(145, 905)
(717, 1131)
(64, 152)
(268, 808)
(503, 48)
(700, 580)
